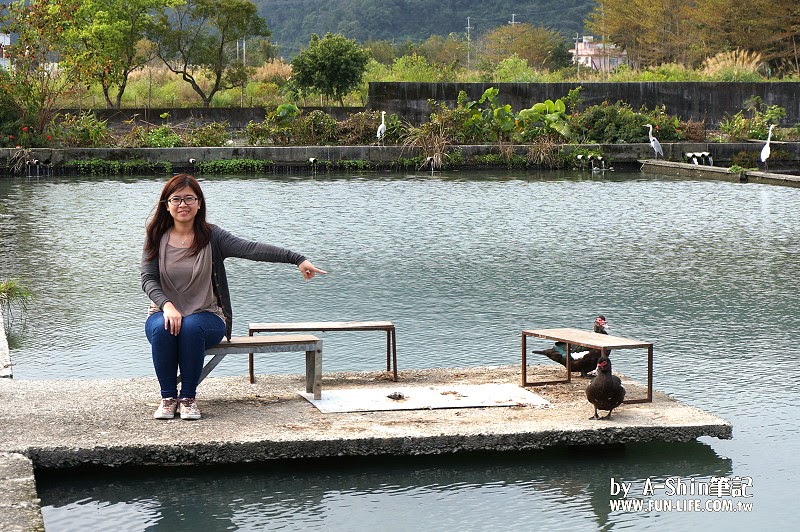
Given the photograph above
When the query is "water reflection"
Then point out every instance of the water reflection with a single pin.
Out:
(559, 489)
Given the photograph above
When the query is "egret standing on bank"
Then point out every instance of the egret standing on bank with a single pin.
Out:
(382, 128)
(654, 142)
(765, 150)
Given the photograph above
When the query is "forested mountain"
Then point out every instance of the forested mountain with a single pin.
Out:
(293, 21)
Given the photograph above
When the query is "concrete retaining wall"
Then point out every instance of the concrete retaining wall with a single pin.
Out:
(236, 117)
(20, 507)
(709, 101)
(784, 153)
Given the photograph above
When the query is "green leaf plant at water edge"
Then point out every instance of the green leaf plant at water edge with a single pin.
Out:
(543, 119)
(14, 299)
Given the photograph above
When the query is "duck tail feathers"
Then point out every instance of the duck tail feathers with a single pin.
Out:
(553, 355)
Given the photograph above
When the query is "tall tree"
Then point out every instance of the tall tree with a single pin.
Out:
(661, 31)
(770, 27)
(45, 57)
(531, 43)
(197, 40)
(113, 35)
(447, 51)
(332, 66)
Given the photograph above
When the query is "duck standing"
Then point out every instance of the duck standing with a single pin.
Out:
(605, 391)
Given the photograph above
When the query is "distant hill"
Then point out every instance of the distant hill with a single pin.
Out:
(293, 21)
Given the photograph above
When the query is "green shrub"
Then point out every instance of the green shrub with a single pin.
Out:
(753, 121)
(745, 159)
(258, 133)
(212, 134)
(618, 123)
(316, 128)
(14, 297)
(234, 166)
(514, 69)
(162, 137)
(360, 128)
(100, 167)
(350, 165)
(609, 124)
(84, 131)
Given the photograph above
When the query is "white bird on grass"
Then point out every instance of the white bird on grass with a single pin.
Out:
(654, 142)
(382, 128)
(766, 149)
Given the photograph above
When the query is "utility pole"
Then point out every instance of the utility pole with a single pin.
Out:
(512, 21)
(468, 41)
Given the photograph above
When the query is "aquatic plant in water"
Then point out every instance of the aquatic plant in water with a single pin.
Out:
(14, 299)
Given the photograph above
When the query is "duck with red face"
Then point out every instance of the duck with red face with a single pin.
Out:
(582, 359)
(605, 391)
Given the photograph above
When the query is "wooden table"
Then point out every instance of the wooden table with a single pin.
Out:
(325, 326)
(592, 340)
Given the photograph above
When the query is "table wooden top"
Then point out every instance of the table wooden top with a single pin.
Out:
(586, 338)
(322, 326)
(278, 339)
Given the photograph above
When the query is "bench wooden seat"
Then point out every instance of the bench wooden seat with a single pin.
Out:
(272, 344)
(326, 326)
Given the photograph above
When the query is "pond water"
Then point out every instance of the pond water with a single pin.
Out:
(707, 270)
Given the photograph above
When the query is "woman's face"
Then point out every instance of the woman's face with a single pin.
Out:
(185, 210)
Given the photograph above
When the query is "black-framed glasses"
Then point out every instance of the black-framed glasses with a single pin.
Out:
(188, 200)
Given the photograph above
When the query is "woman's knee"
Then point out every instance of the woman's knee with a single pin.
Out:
(154, 328)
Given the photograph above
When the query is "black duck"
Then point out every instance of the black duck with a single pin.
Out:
(583, 361)
(605, 391)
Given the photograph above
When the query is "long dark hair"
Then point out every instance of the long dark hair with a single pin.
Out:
(162, 221)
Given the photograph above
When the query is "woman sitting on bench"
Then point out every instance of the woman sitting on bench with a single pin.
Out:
(183, 274)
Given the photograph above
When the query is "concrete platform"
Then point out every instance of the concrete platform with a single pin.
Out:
(662, 166)
(109, 423)
(20, 509)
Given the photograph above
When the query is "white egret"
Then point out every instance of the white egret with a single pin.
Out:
(429, 162)
(765, 150)
(654, 142)
(382, 128)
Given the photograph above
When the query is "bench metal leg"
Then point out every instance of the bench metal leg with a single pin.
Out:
(314, 372)
(216, 359)
(394, 353)
(250, 364)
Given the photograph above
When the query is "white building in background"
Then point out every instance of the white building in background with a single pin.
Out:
(5, 41)
(598, 56)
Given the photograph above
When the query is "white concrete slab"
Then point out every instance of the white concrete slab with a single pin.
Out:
(424, 397)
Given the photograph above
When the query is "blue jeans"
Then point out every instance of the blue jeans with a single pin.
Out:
(185, 351)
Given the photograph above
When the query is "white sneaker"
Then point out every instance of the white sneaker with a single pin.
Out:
(189, 409)
(166, 409)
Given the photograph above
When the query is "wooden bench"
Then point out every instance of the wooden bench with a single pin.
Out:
(592, 340)
(325, 326)
(287, 343)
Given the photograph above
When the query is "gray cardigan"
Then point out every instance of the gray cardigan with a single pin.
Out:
(223, 245)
